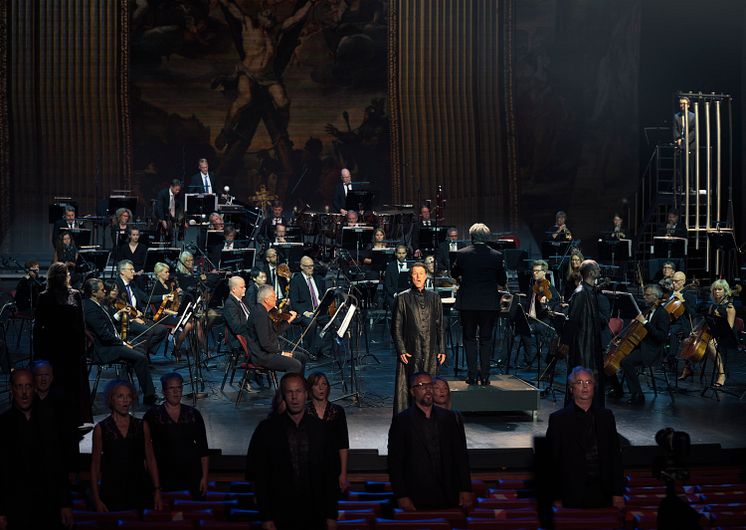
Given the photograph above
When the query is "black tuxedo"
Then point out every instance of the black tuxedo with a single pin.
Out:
(162, 202)
(391, 281)
(479, 270)
(140, 296)
(432, 480)
(108, 347)
(569, 451)
(678, 128)
(339, 201)
(266, 229)
(197, 185)
(61, 224)
(678, 230)
(278, 282)
(443, 256)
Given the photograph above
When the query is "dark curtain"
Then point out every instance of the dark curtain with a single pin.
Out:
(451, 107)
(66, 83)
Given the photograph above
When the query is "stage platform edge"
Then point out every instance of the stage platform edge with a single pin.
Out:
(505, 393)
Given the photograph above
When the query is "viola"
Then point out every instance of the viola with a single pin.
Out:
(132, 312)
(542, 288)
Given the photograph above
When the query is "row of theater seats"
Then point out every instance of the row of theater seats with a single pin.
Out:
(717, 495)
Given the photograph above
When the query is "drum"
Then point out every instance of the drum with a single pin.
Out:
(329, 223)
(309, 223)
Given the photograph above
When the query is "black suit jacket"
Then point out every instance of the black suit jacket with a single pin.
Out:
(102, 327)
(281, 281)
(142, 298)
(479, 270)
(300, 295)
(197, 185)
(409, 460)
(443, 256)
(391, 279)
(340, 199)
(236, 320)
(161, 205)
(266, 229)
(568, 456)
(657, 327)
(262, 335)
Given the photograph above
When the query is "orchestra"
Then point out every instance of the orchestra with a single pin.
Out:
(178, 258)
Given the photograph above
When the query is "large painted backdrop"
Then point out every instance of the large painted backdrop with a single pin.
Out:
(277, 95)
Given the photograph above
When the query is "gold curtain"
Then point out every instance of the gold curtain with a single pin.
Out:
(68, 106)
(451, 107)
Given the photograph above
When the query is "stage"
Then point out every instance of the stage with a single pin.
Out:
(229, 428)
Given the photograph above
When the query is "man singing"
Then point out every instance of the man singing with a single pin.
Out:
(417, 331)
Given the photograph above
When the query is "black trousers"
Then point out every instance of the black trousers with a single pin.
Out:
(478, 330)
(134, 357)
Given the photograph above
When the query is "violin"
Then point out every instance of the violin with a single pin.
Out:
(132, 312)
(278, 315)
(170, 303)
(542, 288)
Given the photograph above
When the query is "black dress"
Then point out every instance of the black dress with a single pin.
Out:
(336, 422)
(155, 300)
(125, 484)
(137, 257)
(179, 447)
(59, 337)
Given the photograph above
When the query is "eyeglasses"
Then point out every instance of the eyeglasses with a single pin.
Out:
(586, 382)
(422, 385)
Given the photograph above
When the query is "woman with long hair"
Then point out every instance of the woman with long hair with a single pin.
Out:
(334, 416)
(59, 337)
(572, 276)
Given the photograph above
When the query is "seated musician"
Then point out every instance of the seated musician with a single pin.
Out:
(68, 222)
(451, 244)
(425, 221)
(133, 296)
(540, 304)
(280, 235)
(120, 226)
(393, 270)
(134, 251)
(724, 312)
(352, 218)
(657, 322)
(674, 227)
(256, 326)
(573, 277)
(279, 217)
(258, 278)
(559, 231)
(107, 344)
(230, 242)
(681, 327)
(278, 282)
(664, 277)
(66, 251)
(432, 274)
(617, 230)
(164, 294)
(306, 292)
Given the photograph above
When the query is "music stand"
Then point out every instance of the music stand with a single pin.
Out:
(200, 203)
(551, 249)
(359, 200)
(670, 247)
(163, 255)
(502, 244)
(432, 236)
(292, 233)
(214, 238)
(56, 210)
(121, 201)
(96, 257)
(723, 240)
(380, 258)
(81, 236)
(292, 253)
(356, 238)
(623, 304)
(237, 259)
(615, 250)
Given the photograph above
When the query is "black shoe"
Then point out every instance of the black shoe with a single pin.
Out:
(470, 381)
(485, 381)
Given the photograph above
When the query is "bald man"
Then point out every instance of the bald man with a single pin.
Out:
(306, 292)
(341, 190)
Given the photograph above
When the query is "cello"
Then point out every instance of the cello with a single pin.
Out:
(624, 343)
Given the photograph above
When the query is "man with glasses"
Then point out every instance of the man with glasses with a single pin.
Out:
(585, 459)
(428, 463)
(306, 291)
